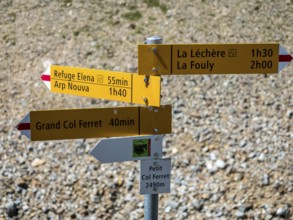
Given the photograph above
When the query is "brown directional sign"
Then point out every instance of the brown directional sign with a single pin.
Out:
(211, 59)
(95, 123)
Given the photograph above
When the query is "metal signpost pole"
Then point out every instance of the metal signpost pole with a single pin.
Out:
(151, 200)
(151, 206)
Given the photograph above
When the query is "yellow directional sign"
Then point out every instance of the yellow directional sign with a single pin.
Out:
(209, 59)
(119, 86)
(95, 123)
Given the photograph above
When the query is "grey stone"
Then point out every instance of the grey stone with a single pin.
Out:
(212, 168)
(45, 209)
(245, 207)
(209, 213)
(277, 184)
(220, 164)
(198, 204)
(240, 214)
(243, 143)
(11, 210)
(168, 209)
(92, 217)
(219, 212)
(186, 162)
(215, 198)
(283, 212)
(265, 180)
(252, 155)
(195, 168)
(184, 208)
(261, 157)
(213, 156)
(289, 114)
(129, 185)
(173, 204)
(268, 217)
(71, 179)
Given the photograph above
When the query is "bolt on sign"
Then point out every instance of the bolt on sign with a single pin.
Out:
(184, 59)
(119, 86)
(95, 123)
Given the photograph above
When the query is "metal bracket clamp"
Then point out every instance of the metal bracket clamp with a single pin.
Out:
(154, 40)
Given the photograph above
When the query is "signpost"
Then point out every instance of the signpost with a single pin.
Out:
(128, 149)
(184, 59)
(154, 59)
(151, 201)
(95, 123)
(119, 86)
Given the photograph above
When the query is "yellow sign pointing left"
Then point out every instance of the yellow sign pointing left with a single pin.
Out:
(118, 86)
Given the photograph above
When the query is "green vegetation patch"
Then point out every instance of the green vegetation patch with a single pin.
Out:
(66, 3)
(132, 16)
(156, 3)
(152, 3)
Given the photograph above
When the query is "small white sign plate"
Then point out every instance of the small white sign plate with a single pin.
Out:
(155, 175)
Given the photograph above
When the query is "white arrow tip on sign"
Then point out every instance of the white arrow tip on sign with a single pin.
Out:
(46, 78)
(24, 126)
(111, 150)
(284, 58)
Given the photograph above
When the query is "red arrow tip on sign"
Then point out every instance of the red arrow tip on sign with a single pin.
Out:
(45, 77)
(285, 58)
(23, 126)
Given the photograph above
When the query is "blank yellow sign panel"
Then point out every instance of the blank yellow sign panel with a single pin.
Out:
(207, 59)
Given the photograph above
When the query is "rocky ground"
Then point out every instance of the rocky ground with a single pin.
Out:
(232, 139)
